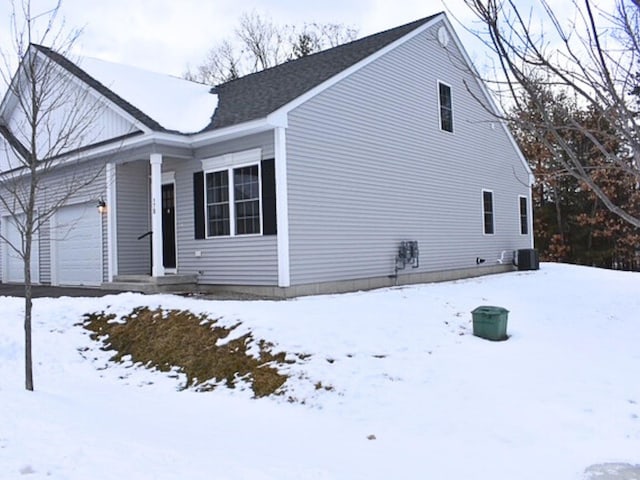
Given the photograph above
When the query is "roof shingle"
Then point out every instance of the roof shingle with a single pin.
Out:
(257, 95)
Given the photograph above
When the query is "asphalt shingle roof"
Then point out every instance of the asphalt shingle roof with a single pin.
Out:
(256, 95)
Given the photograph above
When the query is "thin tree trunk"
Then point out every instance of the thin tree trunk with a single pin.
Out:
(559, 216)
(28, 357)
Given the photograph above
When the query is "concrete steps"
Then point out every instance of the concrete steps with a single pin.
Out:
(149, 284)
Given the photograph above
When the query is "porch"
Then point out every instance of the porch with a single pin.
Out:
(151, 284)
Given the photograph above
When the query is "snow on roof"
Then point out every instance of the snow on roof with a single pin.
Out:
(175, 103)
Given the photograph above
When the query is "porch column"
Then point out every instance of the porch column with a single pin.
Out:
(112, 229)
(157, 269)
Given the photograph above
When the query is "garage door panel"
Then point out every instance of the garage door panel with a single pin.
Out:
(77, 246)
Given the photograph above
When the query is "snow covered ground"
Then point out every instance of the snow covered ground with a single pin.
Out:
(410, 392)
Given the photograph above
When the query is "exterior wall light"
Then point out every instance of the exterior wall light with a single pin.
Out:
(102, 207)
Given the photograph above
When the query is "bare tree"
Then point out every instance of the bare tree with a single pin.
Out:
(262, 41)
(45, 116)
(594, 60)
(259, 43)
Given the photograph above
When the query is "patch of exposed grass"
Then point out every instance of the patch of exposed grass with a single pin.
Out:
(168, 339)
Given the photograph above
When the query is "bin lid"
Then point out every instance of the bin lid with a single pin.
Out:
(490, 310)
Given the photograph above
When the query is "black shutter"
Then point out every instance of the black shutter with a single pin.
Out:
(269, 224)
(198, 204)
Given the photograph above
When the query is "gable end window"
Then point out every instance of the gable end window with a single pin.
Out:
(487, 212)
(446, 107)
(524, 216)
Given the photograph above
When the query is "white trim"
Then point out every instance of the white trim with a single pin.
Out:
(155, 159)
(493, 211)
(168, 177)
(159, 139)
(282, 208)
(232, 160)
(112, 222)
(531, 234)
(438, 83)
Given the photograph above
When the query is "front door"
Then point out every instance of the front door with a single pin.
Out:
(168, 226)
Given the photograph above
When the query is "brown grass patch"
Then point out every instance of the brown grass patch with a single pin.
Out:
(167, 339)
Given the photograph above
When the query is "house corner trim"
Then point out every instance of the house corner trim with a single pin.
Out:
(112, 233)
(282, 207)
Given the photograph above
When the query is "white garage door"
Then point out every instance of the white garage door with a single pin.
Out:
(12, 262)
(76, 246)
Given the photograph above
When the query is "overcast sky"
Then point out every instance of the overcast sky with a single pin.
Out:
(168, 35)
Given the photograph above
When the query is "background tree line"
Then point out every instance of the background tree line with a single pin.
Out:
(259, 43)
(571, 93)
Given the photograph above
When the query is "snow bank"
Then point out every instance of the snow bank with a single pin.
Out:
(406, 391)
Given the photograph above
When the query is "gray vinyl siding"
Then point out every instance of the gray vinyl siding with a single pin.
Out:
(368, 167)
(133, 218)
(240, 260)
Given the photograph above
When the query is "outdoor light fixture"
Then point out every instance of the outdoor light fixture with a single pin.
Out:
(102, 207)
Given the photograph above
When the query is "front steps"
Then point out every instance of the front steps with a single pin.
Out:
(149, 284)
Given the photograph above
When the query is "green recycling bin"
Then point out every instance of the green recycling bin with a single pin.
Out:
(490, 322)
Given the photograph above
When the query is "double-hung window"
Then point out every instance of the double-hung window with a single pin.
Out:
(218, 223)
(233, 201)
(524, 216)
(246, 198)
(487, 212)
(446, 107)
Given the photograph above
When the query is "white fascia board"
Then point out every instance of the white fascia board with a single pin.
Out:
(228, 133)
(115, 146)
(234, 159)
(175, 139)
(488, 97)
(285, 109)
